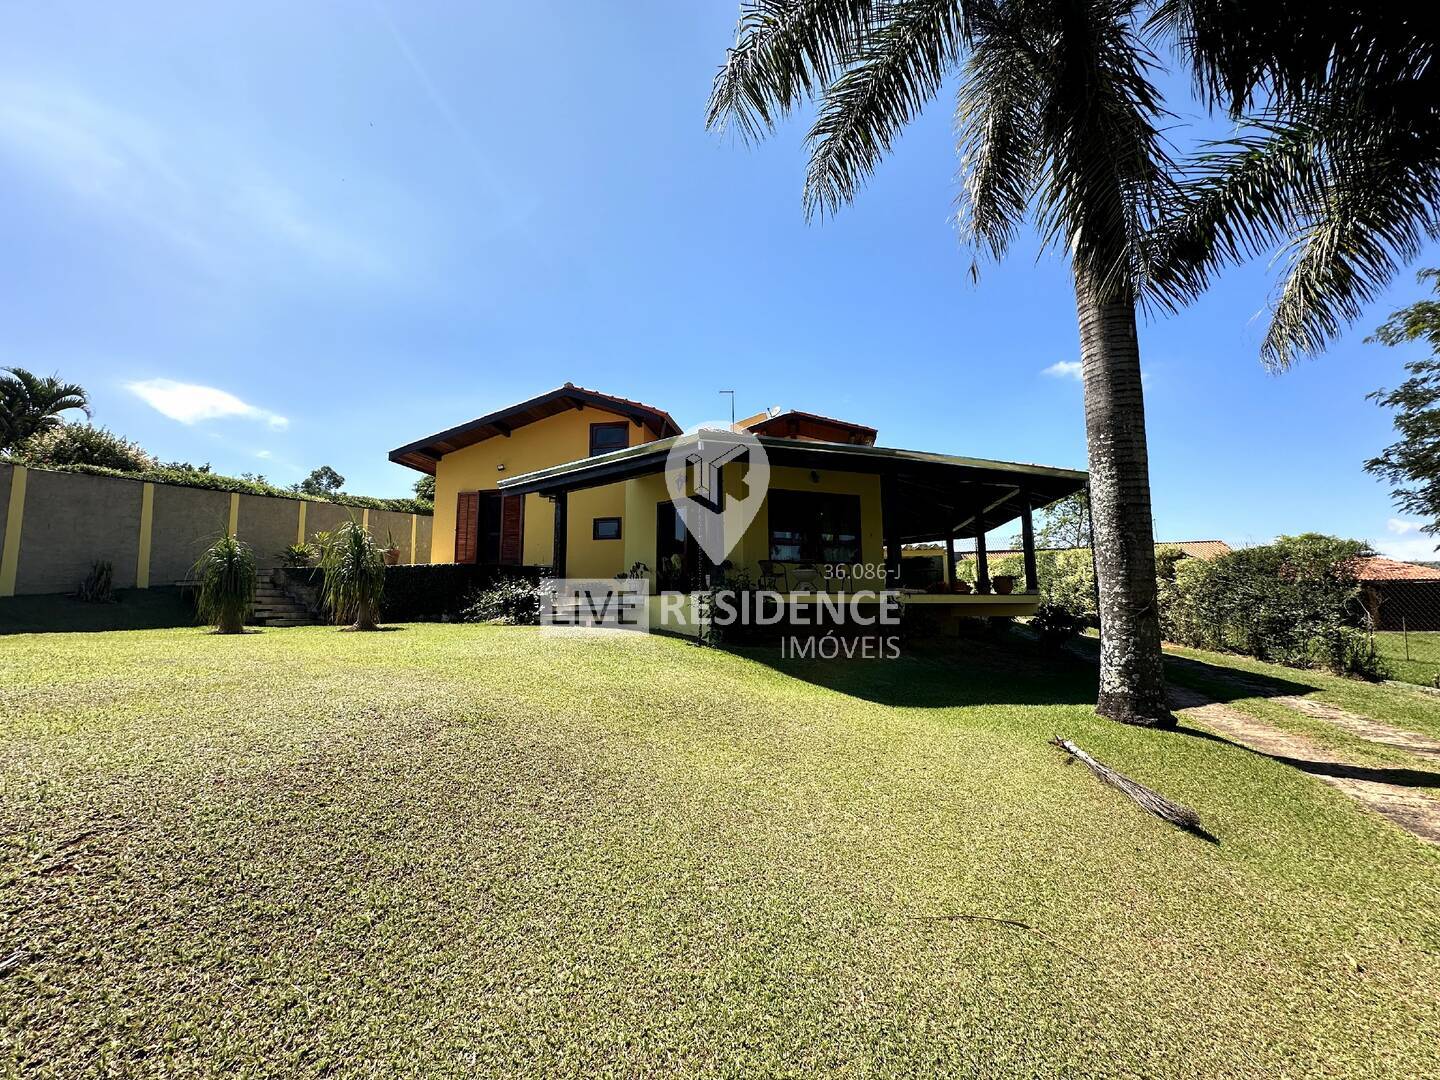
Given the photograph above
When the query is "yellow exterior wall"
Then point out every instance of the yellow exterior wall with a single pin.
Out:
(552, 441)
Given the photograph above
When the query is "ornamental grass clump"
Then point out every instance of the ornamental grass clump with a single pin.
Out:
(354, 568)
(226, 585)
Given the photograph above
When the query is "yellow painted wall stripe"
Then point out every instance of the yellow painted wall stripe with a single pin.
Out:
(234, 513)
(414, 529)
(147, 520)
(365, 519)
(300, 534)
(14, 517)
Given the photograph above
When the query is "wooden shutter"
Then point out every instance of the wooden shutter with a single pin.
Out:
(467, 526)
(512, 529)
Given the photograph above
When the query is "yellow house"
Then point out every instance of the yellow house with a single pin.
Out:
(574, 480)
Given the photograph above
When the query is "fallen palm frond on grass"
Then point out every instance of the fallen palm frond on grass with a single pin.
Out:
(1152, 801)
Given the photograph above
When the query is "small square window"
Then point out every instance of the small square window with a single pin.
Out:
(606, 529)
(607, 437)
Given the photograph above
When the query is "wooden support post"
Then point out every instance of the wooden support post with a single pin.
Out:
(982, 559)
(890, 524)
(1027, 544)
(562, 525)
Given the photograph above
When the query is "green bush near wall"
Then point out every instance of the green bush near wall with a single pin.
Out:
(428, 593)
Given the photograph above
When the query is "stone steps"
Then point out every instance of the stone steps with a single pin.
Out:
(273, 605)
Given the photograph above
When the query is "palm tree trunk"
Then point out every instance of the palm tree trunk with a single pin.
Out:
(1132, 677)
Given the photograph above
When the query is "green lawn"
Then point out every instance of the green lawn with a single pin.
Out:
(459, 850)
(1413, 657)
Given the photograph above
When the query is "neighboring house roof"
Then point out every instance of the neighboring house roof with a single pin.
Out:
(1375, 568)
(1196, 549)
(797, 424)
(424, 453)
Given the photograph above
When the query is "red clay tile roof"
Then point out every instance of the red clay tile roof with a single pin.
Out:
(1377, 568)
(1198, 549)
(424, 453)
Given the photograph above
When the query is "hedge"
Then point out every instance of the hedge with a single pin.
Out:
(428, 593)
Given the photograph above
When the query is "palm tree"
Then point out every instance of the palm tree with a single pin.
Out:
(1058, 120)
(354, 569)
(30, 405)
(1338, 165)
(225, 593)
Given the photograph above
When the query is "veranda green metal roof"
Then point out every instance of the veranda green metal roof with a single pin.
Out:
(937, 495)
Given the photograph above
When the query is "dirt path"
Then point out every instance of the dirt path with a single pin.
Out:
(1362, 726)
(1387, 791)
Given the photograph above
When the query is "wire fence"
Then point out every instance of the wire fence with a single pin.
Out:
(1405, 618)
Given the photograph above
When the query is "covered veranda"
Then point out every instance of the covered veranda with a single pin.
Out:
(924, 497)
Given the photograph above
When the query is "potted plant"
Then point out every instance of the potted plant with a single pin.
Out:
(960, 587)
(392, 550)
(1003, 584)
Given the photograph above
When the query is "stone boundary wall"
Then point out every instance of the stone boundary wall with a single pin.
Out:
(54, 525)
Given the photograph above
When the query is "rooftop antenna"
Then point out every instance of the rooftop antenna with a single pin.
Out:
(732, 407)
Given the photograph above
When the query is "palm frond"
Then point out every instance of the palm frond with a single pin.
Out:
(1345, 190)
(784, 52)
(893, 71)
(996, 117)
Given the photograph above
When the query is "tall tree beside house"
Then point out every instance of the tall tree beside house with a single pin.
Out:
(1058, 120)
(31, 404)
(1412, 465)
(425, 488)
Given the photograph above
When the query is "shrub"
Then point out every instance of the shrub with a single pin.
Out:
(226, 578)
(513, 601)
(438, 591)
(1290, 602)
(1347, 650)
(1056, 625)
(298, 555)
(85, 444)
(354, 569)
(99, 585)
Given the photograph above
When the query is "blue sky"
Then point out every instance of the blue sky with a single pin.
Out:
(355, 224)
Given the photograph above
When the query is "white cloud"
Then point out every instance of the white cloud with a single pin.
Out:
(1415, 549)
(190, 403)
(1399, 526)
(264, 454)
(1063, 369)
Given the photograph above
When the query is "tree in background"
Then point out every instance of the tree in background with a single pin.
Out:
(85, 444)
(1063, 524)
(1412, 465)
(31, 405)
(425, 488)
(1059, 122)
(323, 481)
